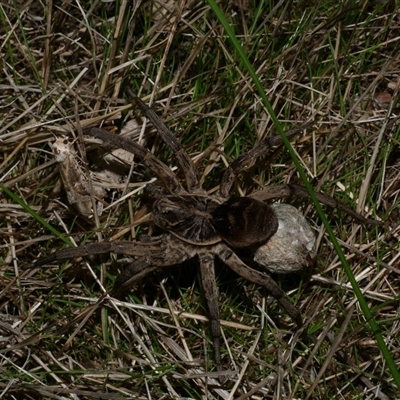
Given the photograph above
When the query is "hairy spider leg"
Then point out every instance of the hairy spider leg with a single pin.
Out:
(138, 249)
(211, 292)
(164, 173)
(289, 190)
(136, 270)
(251, 156)
(147, 264)
(185, 162)
(162, 251)
(252, 275)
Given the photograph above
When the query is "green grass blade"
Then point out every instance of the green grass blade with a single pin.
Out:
(363, 304)
(35, 215)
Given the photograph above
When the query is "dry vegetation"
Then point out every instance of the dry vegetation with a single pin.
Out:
(64, 66)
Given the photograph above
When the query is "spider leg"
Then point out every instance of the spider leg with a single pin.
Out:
(252, 275)
(261, 149)
(148, 159)
(162, 249)
(73, 252)
(280, 191)
(133, 272)
(210, 288)
(163, 252)
(170, 139)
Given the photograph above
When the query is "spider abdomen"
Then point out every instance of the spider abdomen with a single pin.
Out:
(245, 222)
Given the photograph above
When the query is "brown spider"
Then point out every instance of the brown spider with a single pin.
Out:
(196, 224)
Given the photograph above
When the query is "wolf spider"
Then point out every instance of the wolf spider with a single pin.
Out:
(197, 224)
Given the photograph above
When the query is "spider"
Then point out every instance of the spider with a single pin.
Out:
(194, 223)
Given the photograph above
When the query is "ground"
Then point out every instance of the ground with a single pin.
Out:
(64, 66)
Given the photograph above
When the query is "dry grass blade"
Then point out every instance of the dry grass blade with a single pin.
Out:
(65, 65)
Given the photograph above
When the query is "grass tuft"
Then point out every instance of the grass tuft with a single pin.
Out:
(64, 67)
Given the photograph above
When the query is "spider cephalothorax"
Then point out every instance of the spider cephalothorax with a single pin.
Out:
(196, 224)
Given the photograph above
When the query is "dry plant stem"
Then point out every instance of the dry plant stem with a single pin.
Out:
(383, 130)
(84, 317)
(242, 373)
(337, 343)
(356, 104)
(186, 354)
(187, 65)
(114, 49)
(178, 13)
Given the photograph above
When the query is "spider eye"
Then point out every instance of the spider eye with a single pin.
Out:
(167, 215)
